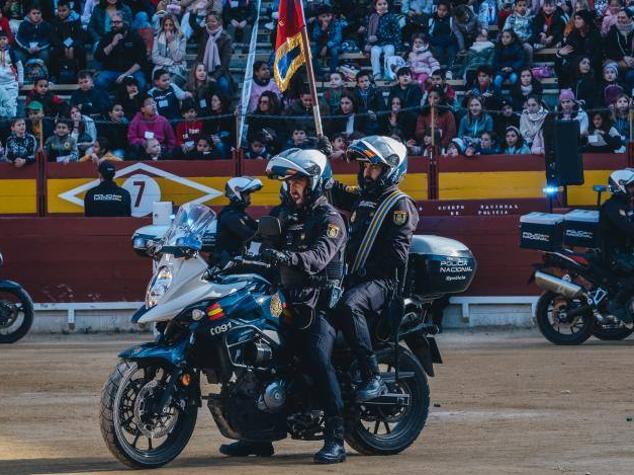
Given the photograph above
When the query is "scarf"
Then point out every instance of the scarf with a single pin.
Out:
(626, 29)
(211, 56)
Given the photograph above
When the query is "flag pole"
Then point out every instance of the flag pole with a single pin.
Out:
(311, 81)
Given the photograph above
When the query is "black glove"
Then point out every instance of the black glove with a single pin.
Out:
(324, 146)
(275, 257)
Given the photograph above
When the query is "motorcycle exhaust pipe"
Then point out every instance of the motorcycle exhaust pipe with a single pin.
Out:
(559, 286)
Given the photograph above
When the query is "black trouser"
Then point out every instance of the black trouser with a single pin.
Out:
(623, 265)
(356, 305)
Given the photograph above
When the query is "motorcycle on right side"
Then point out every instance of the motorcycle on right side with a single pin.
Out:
(16, 310)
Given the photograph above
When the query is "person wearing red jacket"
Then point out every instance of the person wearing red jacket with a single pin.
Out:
(148, 124)
(189, 130)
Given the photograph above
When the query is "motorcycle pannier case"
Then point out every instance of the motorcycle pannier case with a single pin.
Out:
(581, 228)
(541, 231)
(439, 266)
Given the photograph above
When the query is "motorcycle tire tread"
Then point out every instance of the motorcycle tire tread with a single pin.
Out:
(27, 303)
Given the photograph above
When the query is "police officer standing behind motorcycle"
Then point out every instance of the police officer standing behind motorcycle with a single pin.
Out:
(311, 269)
(235, 226)
(382, 223)
(616, 222)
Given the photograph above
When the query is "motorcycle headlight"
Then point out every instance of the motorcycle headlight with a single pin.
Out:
(158, 286)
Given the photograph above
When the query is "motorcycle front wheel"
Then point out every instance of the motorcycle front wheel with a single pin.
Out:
(136, 434)
(388, 430)
(555, 324)
(16, 314)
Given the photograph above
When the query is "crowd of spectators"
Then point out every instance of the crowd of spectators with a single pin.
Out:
(138, 98)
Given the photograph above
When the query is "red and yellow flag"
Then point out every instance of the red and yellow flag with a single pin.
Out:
(289, 46)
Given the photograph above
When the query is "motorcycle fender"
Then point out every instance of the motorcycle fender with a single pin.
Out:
(426, 350)
(174, 354)
(139, 313)
(9, 284)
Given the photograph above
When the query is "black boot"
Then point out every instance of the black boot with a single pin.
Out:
(372, 385)
(244, 449)
(333, 450)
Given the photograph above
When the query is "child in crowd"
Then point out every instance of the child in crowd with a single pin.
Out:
(115, 130)
(257, 149)
(332, 94)
(130, 97)
(262, 82)
(438, 80)
(520, 21)
(167, 95)
(11, 77)
(202, 151)
(456, 148)
(475, 121)
(602, 136)
(38, 125)
(383, 36)
(609, 19)
(525, 87)
(442, 39)
(506, 118)
(21, 146)
(585, 85)
(148, 124)
(201, 88)
(611, 87)
(480, 53)
(421, 60)
(83, 129)
(189, 130)
(485, 89)
(465, 27)
(326, 36)
(61, 147)
(299, 138)
(487, 145)
(339, 146)
(568, 109)
(100, 152)
(444, 121)
(532, 123)
(34, 36)
(548, 26)
(514, 142)
(508, 59)
(368, 99)
(152, 150)
(53, 104)
(621, 117)
(407, 91)
(92, 101)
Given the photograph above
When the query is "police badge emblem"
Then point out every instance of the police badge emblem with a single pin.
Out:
(400, 217)
(333, 231)
(276, 306)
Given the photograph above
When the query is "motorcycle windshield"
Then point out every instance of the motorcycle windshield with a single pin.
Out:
(187, 229)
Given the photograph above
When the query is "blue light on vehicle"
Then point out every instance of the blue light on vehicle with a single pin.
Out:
(550, 190)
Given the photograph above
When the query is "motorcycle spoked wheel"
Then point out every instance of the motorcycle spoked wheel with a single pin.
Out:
(16, 314)
(136, 435)
(388, 430)
(553, 322)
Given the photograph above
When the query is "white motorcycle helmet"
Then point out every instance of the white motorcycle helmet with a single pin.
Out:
(620, 180)
(379, 150)
(239, 188)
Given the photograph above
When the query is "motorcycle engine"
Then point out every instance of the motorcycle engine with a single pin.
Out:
(273, 398)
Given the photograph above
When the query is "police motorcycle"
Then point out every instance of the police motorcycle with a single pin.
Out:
(16, 310)
(578, 287)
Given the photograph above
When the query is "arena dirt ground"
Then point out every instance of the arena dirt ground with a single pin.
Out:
(504, 403)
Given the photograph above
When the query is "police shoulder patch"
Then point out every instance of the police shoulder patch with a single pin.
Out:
(400, 217)
(333, 231)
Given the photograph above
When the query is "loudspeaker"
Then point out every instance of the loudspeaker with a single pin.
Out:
(564, 165)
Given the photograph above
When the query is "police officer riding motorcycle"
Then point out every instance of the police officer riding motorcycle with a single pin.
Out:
(309, 256)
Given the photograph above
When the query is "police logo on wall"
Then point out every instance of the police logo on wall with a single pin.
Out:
(333, 231)
(276, 306)
(400, 217)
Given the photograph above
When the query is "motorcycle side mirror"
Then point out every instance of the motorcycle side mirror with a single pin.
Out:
(600, 188)
(269, 227)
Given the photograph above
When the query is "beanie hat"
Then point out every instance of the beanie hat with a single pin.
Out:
(611, 66)
(566, 95)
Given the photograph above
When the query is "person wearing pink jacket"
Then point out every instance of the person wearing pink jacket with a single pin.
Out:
(147, 124)
(422, 62)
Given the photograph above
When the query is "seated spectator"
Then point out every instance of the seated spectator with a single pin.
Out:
(619, 45)
(239, 17)
(334, 91)
(130, 97)
(487, 145)
(107, 198)
(383, 37)
(122, 54)
(100, 152)
(407, 91)
(262, 82)
(485, 89)
(465, 27)
(339, 147)
(505, 119)
(456, 148)
(444, 120)
(82, 129)
(15, 11)
(53, 104)
(399, 120)
(480, 53)
(299, 138)
(5, 27)
(148, 124)
(438, 79)
(101, 18)
(508, 59)
(189, 130)
(532, 123)
(422, 62)
(301, 112)
(610, 17)
(11, 78)
(169, 50)
(525, 87)
(203, 150)
(194, 10)
(21, 146)
(548, 26)
(520, 22)
(326, 36)
(91, 101)
(167, 95)
(61, 147)
(201, 88)
(221, 125)
(610, 87)
(257, 149)
(115, 130)
(584, 85)
(346, 119)
(368, 99)
(418, 13)
(38, 125)
(568, 109)
(34, 37)
(442, 38)
(152, 150)
(214, 51)
(67, 44)
(602, 136)
(475, 121)
(267, 115)
(621, 117)
(583, 40)
(514, 142)
(426, 147)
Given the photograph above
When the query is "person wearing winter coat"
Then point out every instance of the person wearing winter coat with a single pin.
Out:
(326, 37)
(532, 123)
(34, 37)
(602, 136)
(262, 82)
(383, 37)
(568, 109)
(444, 120)
(21, 146)
(442, 38)
(609, 18)
(239, 16)
(514, 143)
(465, 26)
(585, 86)
(508, 59)
(169, 49)
(480, 53)
(583, 40)
(548, 25)
(11, 77)
(407, 91)
(525, 87)
(475, 121)
(146, 125)
(619, 45)
(520, 21)
(67, 43)
(346, 120)
(101, 18)
(421, 61)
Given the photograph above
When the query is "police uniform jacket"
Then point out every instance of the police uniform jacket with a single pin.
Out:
(107, 199)
(616, 223)
(235, 228)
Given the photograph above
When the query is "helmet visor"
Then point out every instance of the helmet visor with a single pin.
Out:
(362, 152)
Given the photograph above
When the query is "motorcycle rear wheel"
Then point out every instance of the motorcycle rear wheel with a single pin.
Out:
(580, 329)
(120, 421)
(16, 314)
(403, 425)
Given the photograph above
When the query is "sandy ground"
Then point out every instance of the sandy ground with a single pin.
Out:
(504, 403)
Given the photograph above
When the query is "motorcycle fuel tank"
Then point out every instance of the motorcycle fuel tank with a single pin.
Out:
(439, 266)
